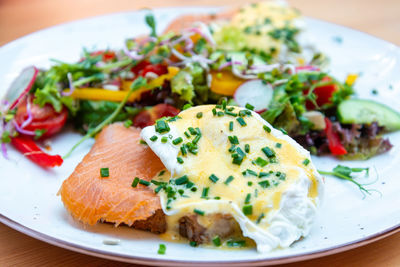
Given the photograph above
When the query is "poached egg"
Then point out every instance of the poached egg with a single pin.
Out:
(228, 160)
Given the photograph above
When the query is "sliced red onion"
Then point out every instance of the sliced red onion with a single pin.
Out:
(204, 32)
(243, 75)
(305, 68)
(255, 69)
(71, 86)
(290, 67)
(178, 55)
(229, 63)
(132, 54)
(278, 82)
(147, 39)
(4, 150)
(20, 130)
(29, 111)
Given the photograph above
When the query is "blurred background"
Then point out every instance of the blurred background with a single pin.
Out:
(20, 17)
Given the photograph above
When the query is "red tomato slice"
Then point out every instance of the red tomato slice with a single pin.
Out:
(45, 118)
(323, 94)
(157, 69)
(106, 55)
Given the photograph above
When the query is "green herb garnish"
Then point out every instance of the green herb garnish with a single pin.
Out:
(104, 172)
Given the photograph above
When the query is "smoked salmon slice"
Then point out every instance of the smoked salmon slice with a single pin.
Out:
(187, 21)
(91, 198)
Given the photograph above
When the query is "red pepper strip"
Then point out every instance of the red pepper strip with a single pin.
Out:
(335, 146)
(29, 148)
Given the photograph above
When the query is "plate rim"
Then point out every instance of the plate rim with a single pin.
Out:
(168, 262)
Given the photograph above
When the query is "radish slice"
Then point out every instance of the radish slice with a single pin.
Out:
(254, 92)
(21, 85)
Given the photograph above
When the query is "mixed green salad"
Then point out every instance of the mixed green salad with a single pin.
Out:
(252, 59)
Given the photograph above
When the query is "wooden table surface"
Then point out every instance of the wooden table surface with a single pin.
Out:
(20, 17)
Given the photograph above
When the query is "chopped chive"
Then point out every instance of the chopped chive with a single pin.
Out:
(182, 180)
(161, 249)
(200, 212)
(249, 106)
(282, 177)
(267, 129)
(232, 148)
(187, 134)
(306, 162)
(233, 139)
(128, 123)
(243, 113)
(264, 174)
(214, 111)
(218, 106)
(223, 103)
(216, 241)
(231, 126)
(249, 172)
(162, 126)
(144, 182)
(264, 184)
(177, 141)
(241, 121)
(193, 243)
(247, 210)
(156, 182)
(135, 182)
(186, 106)
(247, 148)
(229, 179)
(268, 152)
(261, 162)
(193, 189)
(213, 178)
(236, 243)
(189, 184)
(183, 150)
(199, 115)
(192, 131)
(142, 142)
(161, 172)
(158, 189)
(283, 131)
(249, 183)
(260, 218)
(247, 200)
(204, 194)
(164, 139)
(153, 138)
(220, 113)
(180, 160)
(217, 197)
(278, 145)
(230, 113)
(104, 172)
(196, 139)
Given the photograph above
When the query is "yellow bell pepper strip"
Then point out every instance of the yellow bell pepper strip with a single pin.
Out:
(118, 96)
(351, 79)
(224, 83)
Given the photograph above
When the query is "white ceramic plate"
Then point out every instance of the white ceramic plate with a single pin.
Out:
(28, 194)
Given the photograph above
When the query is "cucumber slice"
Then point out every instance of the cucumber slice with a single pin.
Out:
(367, 111)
